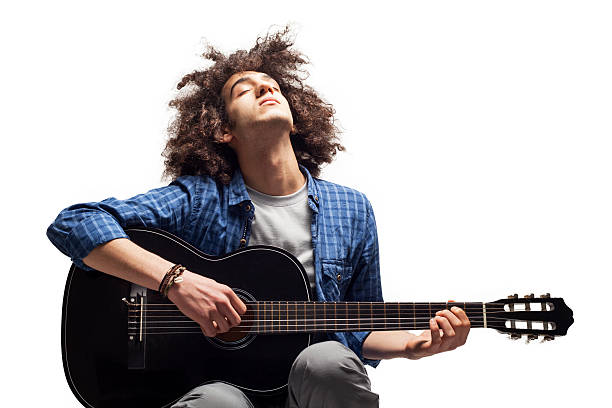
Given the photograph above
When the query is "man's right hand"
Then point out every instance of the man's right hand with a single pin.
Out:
(214, 306)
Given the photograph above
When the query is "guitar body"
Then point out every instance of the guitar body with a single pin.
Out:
(105, 367)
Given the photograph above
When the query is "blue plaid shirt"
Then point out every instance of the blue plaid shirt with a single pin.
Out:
(216, 219)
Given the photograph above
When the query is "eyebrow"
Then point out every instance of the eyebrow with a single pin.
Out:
(247, 78)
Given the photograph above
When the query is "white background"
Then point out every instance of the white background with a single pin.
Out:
(479, 130)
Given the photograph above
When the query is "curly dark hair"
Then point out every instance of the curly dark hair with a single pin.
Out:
(194, 147)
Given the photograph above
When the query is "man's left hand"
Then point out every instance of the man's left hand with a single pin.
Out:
(447, 331)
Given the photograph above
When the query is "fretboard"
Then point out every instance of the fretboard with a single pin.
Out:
(298, 317)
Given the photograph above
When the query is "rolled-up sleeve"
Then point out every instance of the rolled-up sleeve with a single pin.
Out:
(366, 285)
(80, 228)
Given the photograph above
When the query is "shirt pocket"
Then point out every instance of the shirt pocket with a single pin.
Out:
(336, 276)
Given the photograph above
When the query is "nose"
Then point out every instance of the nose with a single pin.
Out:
(264, 87)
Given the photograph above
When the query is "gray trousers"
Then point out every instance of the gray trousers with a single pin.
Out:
(323, 375)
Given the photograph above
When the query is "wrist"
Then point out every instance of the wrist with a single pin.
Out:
(172, 277)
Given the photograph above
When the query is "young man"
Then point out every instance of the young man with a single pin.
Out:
(246, 146)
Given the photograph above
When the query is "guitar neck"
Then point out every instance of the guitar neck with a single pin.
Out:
(308, 317)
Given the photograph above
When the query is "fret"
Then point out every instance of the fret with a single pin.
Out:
(399, 316)
(358, 318)
(259, 328)
(345, 317)
(325, 326)
(265, 320)
(335, 317)
(385, 313)
(287, 304)
(371, 316)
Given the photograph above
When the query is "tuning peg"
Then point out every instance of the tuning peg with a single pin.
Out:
(515, 336)
(530, 296)
(515, 296)
(548, 337)
(532, 337)
(545, 296)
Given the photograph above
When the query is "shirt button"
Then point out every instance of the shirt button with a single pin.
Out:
(339, 277)
(317, 199)
(242, 241)
(247, 208)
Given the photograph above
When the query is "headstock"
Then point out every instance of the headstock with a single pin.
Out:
(530, 316)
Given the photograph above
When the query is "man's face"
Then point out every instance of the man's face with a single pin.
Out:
(253, 102)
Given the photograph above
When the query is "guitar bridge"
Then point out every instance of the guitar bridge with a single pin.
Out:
(136, 324)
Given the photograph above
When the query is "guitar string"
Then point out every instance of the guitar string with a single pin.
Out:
(289, 331)
(284, 316)
(313, 318)
(290, 327)
(293, 327)
(365, 308)
(332, 312)
(156, 318)
(281, 331)
(381, 304)
(329, 319)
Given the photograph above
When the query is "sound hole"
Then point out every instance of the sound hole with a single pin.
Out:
(236, 337)
(235, 334)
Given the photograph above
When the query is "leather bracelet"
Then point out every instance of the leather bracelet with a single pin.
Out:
(176, 277)
(167, 277)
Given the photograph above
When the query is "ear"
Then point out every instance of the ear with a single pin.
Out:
(226, 136)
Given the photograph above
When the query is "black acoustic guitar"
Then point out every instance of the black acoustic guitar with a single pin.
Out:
(125, 346)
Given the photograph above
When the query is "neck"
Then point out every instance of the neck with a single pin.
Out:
(271, 168)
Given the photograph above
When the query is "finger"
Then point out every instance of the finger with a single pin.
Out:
(450, 316)
(237, 303)
(461, 315)
(436, 336)
(446, 326)
(462, 332)
(222, 324)
(231, 315)
(208, 328)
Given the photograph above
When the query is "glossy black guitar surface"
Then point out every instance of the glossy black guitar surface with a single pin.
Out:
(109, 364)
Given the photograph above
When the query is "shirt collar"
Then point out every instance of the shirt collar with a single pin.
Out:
(237, 189)
(238, 192)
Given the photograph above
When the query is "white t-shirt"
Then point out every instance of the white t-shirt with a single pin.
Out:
(284, 221)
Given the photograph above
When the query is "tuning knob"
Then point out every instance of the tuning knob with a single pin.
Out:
(530, 296)
(532, 337)
(548, 337)
(515, 336)
(515, 296)
(545, 296)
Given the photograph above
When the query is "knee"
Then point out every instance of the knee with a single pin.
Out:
(329, 364)
(214, 395)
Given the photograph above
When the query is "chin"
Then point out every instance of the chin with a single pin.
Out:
(275, 121)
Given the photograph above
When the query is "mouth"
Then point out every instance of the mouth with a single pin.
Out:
(268, 101)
